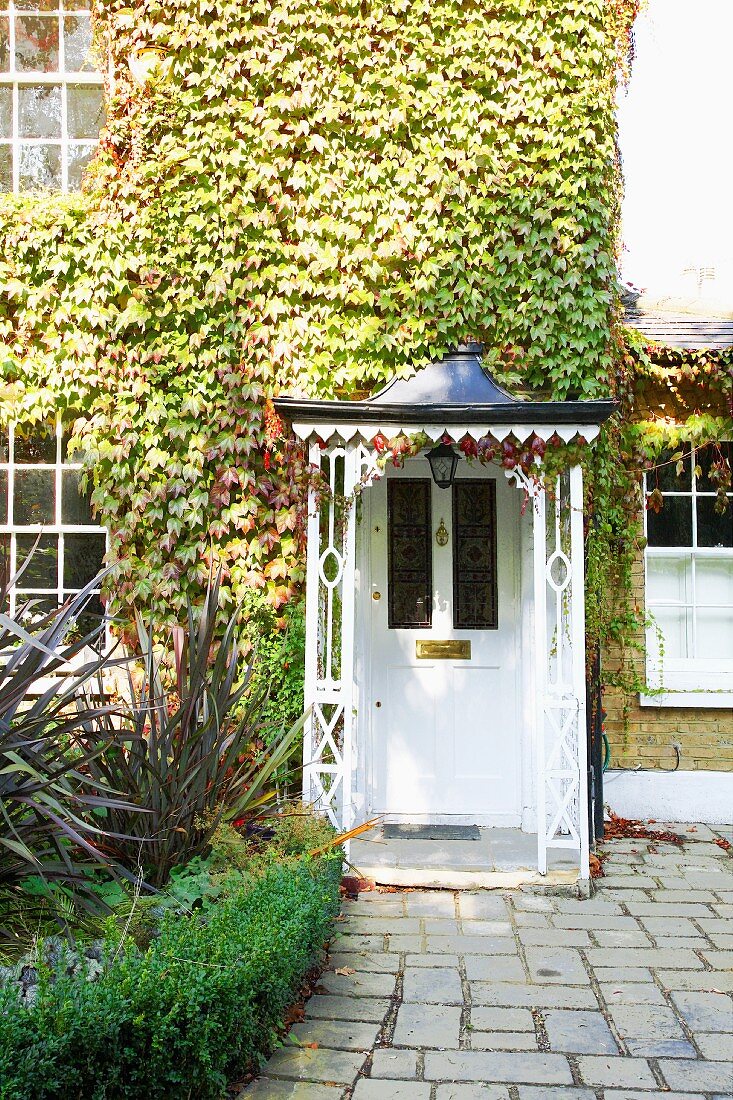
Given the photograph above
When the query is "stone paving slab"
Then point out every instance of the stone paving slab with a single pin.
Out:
(427, 1026)
(361, 984)
(394, 1064)
(579, 1032)
(504, 1040)
(494, 968)
(533, 1092)
(471, 1092)
(622, 1072)
(704, 1011)
(528, 996)
(437, 985)
(622, 1094)
(501, 1019)
(708, 1076)
(478, 1065)
(367, 1009)
(336, 1034)
(265, 1089)
(303, 1064)
(391, 1090)
(532, 996)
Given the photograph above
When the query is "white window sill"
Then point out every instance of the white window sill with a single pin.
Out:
(701, 700)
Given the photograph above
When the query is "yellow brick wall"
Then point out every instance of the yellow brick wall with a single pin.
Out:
(644, 735)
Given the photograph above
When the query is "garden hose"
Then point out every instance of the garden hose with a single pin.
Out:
(606, 751)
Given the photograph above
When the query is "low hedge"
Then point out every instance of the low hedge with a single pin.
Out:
(200, 1006)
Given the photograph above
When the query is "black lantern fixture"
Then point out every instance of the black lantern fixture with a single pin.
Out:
(443, 461)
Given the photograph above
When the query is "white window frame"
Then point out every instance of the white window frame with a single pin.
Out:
(12, 530)
(690, 681)
(16, 78)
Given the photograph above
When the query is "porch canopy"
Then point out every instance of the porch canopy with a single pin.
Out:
(452, 397)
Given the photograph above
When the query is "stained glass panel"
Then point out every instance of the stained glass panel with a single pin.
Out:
(474, 555)
(410, 553)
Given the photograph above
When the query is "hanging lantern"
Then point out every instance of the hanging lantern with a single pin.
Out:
(443, 461)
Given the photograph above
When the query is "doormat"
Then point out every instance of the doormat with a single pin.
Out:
(431, 832)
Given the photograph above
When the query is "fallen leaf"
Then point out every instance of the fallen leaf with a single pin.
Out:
(345, 970)
(311, 1046)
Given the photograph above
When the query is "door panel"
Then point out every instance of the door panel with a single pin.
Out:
(444, 732)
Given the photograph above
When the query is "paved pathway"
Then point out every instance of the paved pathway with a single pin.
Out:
(435, 995)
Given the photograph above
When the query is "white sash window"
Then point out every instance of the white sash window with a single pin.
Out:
(50, 94)
(689, 582)
(45, 514)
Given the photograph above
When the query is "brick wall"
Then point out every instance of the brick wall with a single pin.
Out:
(644, 735)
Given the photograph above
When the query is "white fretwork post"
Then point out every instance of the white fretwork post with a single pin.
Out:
(329, 649)
(559, 586)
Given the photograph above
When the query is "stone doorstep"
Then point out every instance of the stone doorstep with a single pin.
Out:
(450, 878)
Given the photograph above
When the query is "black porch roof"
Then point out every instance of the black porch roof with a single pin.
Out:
(453, 390)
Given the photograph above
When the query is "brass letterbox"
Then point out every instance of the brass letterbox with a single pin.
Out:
(450, 649)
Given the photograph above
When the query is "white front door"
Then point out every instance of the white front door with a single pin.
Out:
(444, 732)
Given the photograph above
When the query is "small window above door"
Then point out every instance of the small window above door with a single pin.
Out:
(474, 555)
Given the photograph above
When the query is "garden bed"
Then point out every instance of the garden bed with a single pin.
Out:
(197, 1008)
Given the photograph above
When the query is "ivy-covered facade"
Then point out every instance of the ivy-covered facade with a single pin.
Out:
(312, 198)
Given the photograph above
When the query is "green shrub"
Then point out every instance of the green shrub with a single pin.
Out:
(200, 1006)
(298, 830)
(281, 665)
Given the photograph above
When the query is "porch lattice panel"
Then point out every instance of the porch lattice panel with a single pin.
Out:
(562, 820)
(328, 749)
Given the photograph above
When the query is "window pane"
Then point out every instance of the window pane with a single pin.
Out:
(37, 5)
(4, 44)
(714, 582)
(714, 632)
(40, 166)
(4, 565)
(672, 526)
(707, 457)
(85, 115)
(77, 5)
(37, 43)
(665, 477)
(713, 528)
(39, 111)
(3, 497)
(89, 619)
(4, 450)
(667, 580)
(79, 157)
(77, 43)
(6, 112)
(474, 555)
(74, 504)
(673, 623)
(6, 168)
(410, 553)
(30, 608)
(33, 500)
(38, 446)
(83, 559)
(42, 571)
